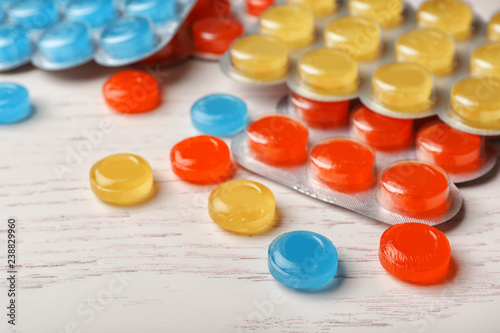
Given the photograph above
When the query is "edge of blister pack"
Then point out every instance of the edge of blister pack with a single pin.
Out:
(365, 203)
(285, 107)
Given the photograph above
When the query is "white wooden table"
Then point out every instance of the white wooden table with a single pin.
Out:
(164, 266)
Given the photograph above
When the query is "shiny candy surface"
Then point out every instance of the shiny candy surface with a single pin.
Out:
(388, 13)
(278, 140)
(453, 150)
(15, 105)
(414, 189)
(321, 114)
(201, 160)
(415, 252)
(329, 71)
(214, 35)
(452, 16)
(132, 91)
(381, 132)
(485, 61)
(293, 24)
(403, 86)
(360, 36)
(477, 101)
(122, 179)
(302, 259)
(96, 13)
(15, 45)
(494, 27)
(260, 57)
(320, 8)
(256, 7)
(242, 206)
(430, 47)
(34, 14)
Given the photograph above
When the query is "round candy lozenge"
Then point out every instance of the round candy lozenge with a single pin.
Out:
(452, 16)
(329, 71)
(256, 7)
(219, 114)
(415, 252)
(382, 132)
(214, 35)
(344, 165)
(494, 28)
(201, 160)
(320, 8)
(15, 104)
(15, 45)
(159, 11)
(321, 114)
(260, 57)
(122, 179)
(485, 61)
(453, 150)
(132, 91)
(414, 189)
(66, 42)
(278, 140)
(242, 206)
(388, 13)
(404, 86)
(293, 24)
(302, 259)
(433, 48)
(358, 35)
(128, 38)
(34, 14)
(476, 103)
(96, 13)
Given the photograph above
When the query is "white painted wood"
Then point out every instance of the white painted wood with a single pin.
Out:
(179, 272)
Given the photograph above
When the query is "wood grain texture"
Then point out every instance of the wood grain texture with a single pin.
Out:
(165, 267)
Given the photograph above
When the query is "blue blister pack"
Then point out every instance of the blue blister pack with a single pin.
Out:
(62, 34)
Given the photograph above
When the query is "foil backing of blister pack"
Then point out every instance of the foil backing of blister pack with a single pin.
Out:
(300, 179)
(490, 157)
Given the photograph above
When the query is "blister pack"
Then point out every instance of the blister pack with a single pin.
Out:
(463, 156)
(346, 172)
(399, 61)
(57, 35)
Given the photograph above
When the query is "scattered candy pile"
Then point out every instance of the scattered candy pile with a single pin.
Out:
(322, 142)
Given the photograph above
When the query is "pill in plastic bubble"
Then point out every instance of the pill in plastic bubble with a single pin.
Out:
(387, 13)
(278, 140)
(485, 61)
(34, 14)
(381, 132)
(122, 179)
(291, 23)
(242, 206)
(403, 86)
(128, 38)
(219, 114)
(302, 259)
(96, 13)
(452, 16)
(453, 150)
(256, 7)
(476, 102)
(132, 91)
(15, 104)
(320, 114)
(415, 252)
(214, 35)
(414, 189)
(360, 36)
(494, 28)
(329, 71)
(159, 11)
(260, 57)
(15, 45)
(201, 160)
(66, 42)
(320, 8)
(433, 48)
(344, 165)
